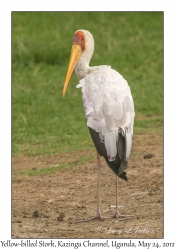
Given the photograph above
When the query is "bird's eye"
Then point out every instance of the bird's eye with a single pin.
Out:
(81, 39)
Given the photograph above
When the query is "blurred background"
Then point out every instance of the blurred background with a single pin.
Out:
(45, 123)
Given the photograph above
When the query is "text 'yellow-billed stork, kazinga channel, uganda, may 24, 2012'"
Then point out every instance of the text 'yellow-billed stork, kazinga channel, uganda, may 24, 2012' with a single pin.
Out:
(109, 109)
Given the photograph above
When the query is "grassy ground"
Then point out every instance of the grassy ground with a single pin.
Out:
(45, 123)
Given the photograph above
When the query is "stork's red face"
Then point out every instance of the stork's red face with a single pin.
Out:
(78, 46)
(79, 39)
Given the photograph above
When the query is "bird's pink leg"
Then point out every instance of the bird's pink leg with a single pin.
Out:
(98, 215)
(117, 214)
(98, 188)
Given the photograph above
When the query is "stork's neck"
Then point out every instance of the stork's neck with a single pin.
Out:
(82, 67)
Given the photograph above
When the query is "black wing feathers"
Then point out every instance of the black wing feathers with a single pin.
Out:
(119, 164)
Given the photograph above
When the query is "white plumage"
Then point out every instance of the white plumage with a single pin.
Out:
(109, 107)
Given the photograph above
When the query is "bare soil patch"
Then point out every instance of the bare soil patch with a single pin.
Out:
(48, 206)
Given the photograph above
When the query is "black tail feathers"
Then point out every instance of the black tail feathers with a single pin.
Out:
(123, 176)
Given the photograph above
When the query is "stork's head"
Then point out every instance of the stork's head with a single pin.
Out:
(82, 47)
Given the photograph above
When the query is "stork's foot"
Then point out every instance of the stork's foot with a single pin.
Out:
(121, 217)
(117, 215)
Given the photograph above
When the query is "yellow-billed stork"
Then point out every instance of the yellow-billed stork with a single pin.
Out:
(109, 109)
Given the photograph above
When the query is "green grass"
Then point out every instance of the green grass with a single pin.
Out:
(45, 123)
(41, 171)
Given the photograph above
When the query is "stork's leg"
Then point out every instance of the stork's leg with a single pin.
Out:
(117, 214)
(98, 188)
(98, 215)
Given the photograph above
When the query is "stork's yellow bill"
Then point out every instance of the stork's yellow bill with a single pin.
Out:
(75, 56)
